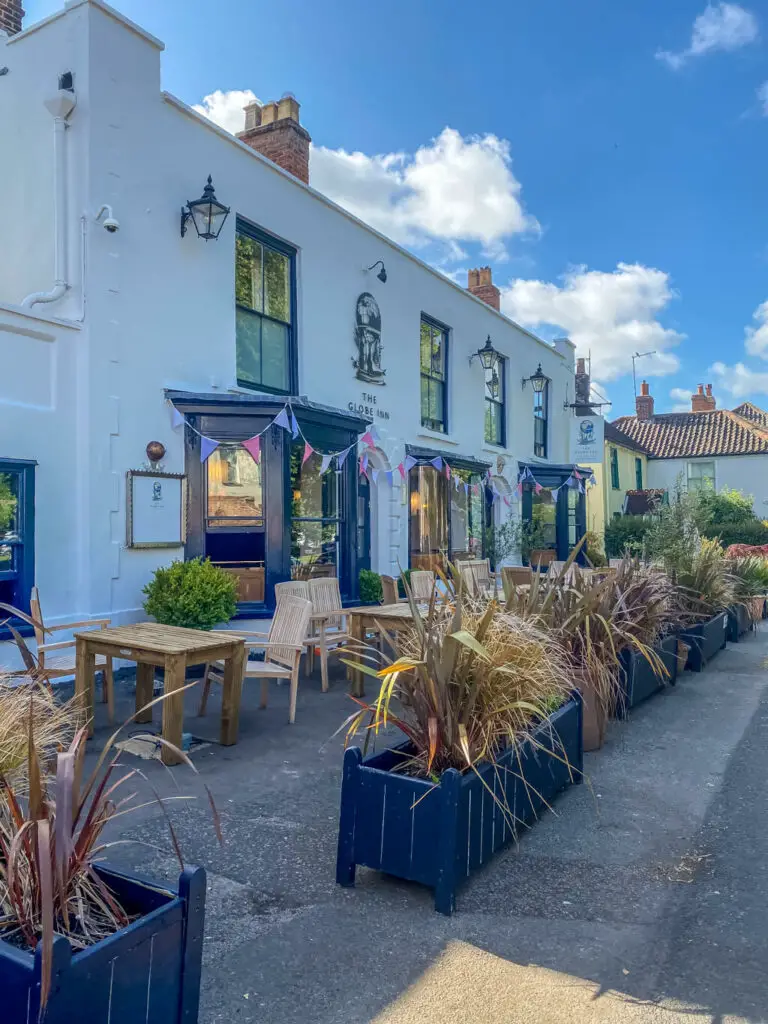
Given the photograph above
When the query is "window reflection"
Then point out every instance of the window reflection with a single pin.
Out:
(315, 516)
(235, 495)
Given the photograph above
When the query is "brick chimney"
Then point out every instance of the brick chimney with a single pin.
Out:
(480, 283)
(701, 402)
(274, 131)
(582, 387)
(644, 402)
(11, 14)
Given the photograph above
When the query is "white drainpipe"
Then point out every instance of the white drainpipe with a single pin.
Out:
(60, 106)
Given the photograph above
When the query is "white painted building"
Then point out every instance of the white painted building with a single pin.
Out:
(99, 328)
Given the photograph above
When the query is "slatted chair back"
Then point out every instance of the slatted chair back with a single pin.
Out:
(481, 567)
(469, 579)
(422, 584)
(515, 576)
(289, 630)
(36, 612)
(389, 593)
(292, 588)
(614, 563)
(556, 567)
(326, 597)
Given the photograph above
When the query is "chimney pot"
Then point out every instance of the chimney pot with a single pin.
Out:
(709, 390)
(11, 15)
(273, 129)
(644, 402)
(480, 283)
(703, 402)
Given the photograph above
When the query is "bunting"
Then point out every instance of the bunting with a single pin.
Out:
(177, 418)
(307, 452)
(325, 463)
(207, 447)
(253, 447)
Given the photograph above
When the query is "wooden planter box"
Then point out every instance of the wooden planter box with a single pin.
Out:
(148, 972)
(739, 622)
(638, 677)
(705, 639)
(439, 834)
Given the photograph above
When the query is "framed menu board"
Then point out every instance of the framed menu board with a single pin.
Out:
(156, 509)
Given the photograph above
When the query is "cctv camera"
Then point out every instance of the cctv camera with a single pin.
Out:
(111, 225)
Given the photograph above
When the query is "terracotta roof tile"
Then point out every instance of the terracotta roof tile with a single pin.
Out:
(679, 435)
(612, 433)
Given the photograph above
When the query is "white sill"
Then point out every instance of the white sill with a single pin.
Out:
(495, 449)
(434, 436)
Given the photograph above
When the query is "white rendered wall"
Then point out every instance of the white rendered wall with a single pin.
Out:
(746, 473)
(160, 309)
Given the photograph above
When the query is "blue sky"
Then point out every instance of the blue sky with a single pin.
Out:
(607, 159)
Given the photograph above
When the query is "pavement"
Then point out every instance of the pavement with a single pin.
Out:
(641, 897)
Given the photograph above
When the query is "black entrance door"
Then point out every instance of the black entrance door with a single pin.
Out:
(363, 523)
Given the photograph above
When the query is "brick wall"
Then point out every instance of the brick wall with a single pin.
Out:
(480, 283)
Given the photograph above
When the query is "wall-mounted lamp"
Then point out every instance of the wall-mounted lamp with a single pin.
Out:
(206, 213)
(538, 380)
(487, 355)
(382, 274)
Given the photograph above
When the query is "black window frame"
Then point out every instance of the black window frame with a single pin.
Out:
(615, 475)
(541, 416)
(500, 367)
(426, 422)
(22, 576)
(245, 228)
(638, 473)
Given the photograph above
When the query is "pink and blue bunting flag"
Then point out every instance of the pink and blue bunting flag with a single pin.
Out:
(367, 438)
(447, 471)
(401, 471)
(466, 487)
(519, 488)
(281, 420)
(374, 475)
(409, 463)
(373, 432)
(389, 474)
(577, 474)
(176, 417)
(307, 452)
(342, 457)
(294, 426)
(437, 463)
(555, 494)
(538, 488)
(364, 463)
(506, 500)
(207, 446)
(325, 463)
(456, 481)
(253, 447)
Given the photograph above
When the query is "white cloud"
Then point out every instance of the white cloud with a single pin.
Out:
(611, 315)
(762, 95)
(682, 399)
(756, 338)
(226, 108)
(722, 26)
(739, 380)
(454, 188)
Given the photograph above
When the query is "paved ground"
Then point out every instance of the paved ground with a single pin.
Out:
(643, 899)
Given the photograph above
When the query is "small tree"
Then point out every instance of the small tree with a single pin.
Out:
(196, 594)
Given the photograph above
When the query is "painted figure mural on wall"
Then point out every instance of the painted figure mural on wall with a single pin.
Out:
(368, 340)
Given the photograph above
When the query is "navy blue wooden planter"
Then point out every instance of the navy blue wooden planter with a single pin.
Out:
(438, 834)
(148, 972)
(704, 640)
(638, 678)
(739, 622)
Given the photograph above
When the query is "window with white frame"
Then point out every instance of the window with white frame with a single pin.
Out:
(701, 476)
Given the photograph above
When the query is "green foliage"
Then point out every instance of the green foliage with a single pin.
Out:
(625, 534)
(594, 550)
(196, 594)
(751, 532)
(370, 587)
(714, 509)
(499, 542)
(673, 538)
(405, 574)
(8, 502)
(750, 575)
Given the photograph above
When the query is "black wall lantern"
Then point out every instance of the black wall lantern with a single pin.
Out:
(382, 274)
(538, 380)
(487, 355)
(206, 213)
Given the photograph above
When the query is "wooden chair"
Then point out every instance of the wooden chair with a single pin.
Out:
(57, 660)
(389, 591)
(292, 588)
(556, 567)
(481, 570)
(422, 584)
(515, 576)
(614, 563)
(282, 646)
(326, 600)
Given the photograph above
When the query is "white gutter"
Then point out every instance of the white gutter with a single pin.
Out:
(60, 106)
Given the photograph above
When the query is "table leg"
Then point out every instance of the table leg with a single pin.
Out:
(85, 683)
(145, 681)
(234, 667)
(354, 676)
(173, 705)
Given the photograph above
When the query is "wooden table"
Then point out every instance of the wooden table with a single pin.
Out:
(150, 645)
(362, 619)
